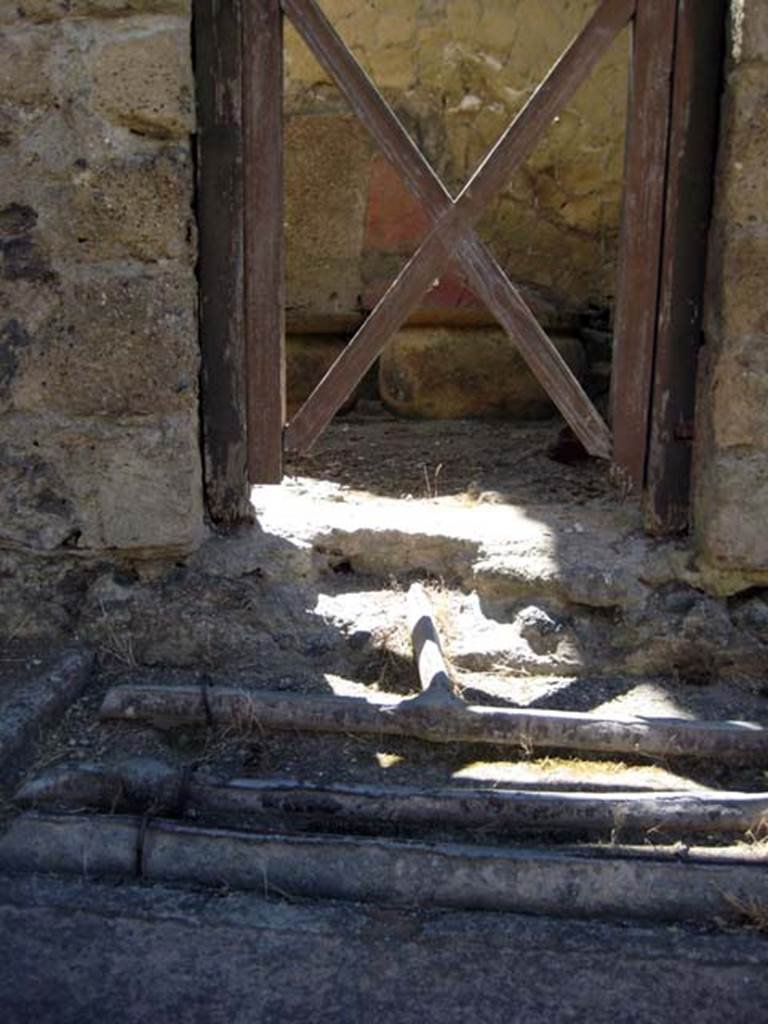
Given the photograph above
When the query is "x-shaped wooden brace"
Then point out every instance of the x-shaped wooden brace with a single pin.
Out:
(452, 233)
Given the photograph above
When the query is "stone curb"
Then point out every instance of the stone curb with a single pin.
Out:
(415, 874)
(145, 786)
(43, 699)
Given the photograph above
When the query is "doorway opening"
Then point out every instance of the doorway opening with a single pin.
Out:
(406, 222)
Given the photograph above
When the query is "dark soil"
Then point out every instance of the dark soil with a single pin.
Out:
(371, 450)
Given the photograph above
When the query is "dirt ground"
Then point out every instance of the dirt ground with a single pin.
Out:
(496, 461)
(344, 632)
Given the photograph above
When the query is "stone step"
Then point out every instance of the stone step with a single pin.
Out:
(36, 687)
(438, 721)
(595, 882)
(541, 589)
(144, 786)
(501, 551)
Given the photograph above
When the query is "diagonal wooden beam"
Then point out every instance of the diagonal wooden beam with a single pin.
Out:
(450, 228)
(486, 276)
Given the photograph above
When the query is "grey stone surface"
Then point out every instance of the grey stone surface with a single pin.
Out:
(614, 884)
(112, 346)
(75, 953)
(54, 10)
(96, 484)
(631, 603)
(34, 691)
(99, 355)
(731, 454)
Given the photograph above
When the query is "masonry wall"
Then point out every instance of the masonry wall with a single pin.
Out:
(731, 449)
(99, 350)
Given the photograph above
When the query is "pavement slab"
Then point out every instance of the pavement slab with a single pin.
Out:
(75, 953)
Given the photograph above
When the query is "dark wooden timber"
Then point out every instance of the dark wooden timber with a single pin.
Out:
(486, 276)
(220, 226)
(641, 233)
(439, 723)
(384, 809)
(263, 192)
(451, 227)
(697, 78)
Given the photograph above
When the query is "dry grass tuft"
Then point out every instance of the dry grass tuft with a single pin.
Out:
(753, 912)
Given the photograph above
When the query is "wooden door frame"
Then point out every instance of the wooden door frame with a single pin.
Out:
(663, 253)
(674, 97)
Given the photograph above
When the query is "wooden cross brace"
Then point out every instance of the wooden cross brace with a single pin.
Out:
(452, 231)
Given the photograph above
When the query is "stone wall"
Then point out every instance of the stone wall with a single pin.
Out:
(731, 450)
(98, 336)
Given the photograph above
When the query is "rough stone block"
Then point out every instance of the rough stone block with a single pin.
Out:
(729, 512)
(92, 484)
(134, 209)
(25, 67)
(326, 178)
(111, 345)
(738, 297)
(142, 78)
(740, 394)
(308, 358)
(750, 30)
(449, 373)
(52, 10)
(742, 181)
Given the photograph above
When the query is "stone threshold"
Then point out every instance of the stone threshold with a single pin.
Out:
(610, 882)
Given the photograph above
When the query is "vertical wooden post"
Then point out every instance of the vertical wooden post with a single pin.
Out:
(699, 54)
(641, 233)
(263, 218)
(217, 33)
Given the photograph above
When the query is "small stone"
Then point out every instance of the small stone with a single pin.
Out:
(539, 629)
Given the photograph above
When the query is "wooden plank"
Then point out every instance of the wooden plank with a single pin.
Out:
(220, 225)
(263, 218)
(699, 54)
(446, 722)
(389, 314)
(641, 233)
(486, 276)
